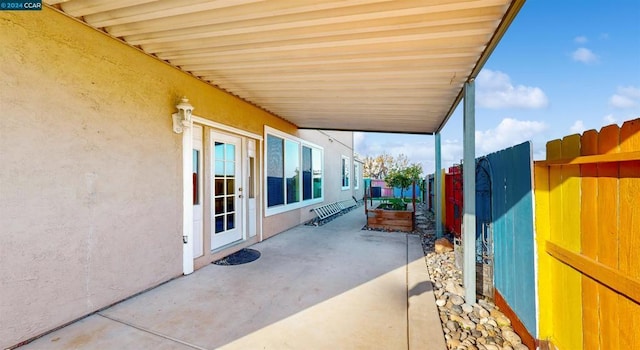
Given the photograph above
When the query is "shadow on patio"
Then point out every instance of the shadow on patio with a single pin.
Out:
(327, 287)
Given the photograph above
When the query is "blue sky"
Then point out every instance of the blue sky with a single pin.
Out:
(562, 67)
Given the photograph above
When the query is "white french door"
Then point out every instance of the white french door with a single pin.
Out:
(226, 189)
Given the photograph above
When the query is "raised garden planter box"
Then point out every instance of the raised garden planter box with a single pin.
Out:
(391, 220)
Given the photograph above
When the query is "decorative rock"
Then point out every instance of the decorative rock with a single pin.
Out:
(503, 321)
(511, 337)
(466, 324)
(453, 287)
(467, 308)
(466, 327)
(443, 245)
(457, 300)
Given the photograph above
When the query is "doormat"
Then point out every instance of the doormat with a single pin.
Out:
(240, 257)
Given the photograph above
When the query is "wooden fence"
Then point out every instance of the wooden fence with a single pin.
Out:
(587, 199)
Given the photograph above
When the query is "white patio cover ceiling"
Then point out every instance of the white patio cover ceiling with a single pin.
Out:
(362, 65)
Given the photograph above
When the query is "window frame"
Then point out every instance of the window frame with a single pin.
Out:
(345, 164)
(281, 208)
(356, 175)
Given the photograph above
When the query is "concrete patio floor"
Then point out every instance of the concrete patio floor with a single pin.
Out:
(329, 287)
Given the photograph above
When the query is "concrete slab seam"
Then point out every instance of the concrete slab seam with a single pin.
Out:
(140, 328)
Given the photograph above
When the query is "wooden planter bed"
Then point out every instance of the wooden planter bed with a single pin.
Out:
(391, 220)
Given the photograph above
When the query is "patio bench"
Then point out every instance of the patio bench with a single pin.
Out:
(328, 210)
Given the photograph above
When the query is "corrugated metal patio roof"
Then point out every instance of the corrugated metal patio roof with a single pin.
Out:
(362, 65)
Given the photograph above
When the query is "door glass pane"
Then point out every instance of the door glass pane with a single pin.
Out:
(252, 186)
(230, 203)
(231, 168)
(219, 223)
(219, 204)
(219, 171)
(219, 151)
(231, 186)
(219, 187)
(196, 177)
(231, 221)
(231, 152)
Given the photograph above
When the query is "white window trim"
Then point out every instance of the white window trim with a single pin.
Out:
(302, 203)
(347, 168)
(356, 175)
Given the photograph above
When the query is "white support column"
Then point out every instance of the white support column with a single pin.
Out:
(437, 199)
(469, 195)
(187, 199)
(183, 123)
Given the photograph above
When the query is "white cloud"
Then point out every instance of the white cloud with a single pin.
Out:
(580, 39)
(626, 97)
(508, 133)
(609, 119)
(421, 149)
(584, 55)
(495, 90)
(577, 127)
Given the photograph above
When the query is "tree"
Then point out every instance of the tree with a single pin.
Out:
(377, 167)
(403, 178)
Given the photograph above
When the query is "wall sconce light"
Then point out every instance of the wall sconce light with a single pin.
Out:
(182, 119)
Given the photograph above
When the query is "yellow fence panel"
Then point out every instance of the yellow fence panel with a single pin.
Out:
(588, 239)
(629, 241)
(607, 252)
(589, 220)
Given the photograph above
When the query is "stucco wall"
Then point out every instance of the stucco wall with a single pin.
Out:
(91, 171)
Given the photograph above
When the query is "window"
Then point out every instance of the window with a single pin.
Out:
(345, 172)
(294, 172)
(356, 175)
(275, 171)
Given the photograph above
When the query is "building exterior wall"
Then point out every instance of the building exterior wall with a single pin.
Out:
(91, 176)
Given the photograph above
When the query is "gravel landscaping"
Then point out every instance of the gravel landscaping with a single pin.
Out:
(480, 326)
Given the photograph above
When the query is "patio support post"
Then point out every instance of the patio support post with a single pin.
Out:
(469, 194)
(183, 124)
(437, 200)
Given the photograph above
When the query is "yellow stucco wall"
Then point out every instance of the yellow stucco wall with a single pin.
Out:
(91, 169)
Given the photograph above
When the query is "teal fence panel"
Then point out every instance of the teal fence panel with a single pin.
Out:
(511, 209)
